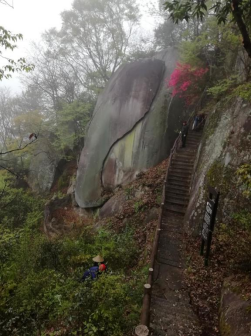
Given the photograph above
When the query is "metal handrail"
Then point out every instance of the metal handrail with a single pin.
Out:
(142, 328)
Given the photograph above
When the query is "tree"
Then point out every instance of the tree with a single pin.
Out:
(240, 11)
(16, 124)
(7, 41)
(96, 35)
(53, 78)
(187, 82)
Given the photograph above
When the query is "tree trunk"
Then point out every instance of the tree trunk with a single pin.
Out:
(237, 14)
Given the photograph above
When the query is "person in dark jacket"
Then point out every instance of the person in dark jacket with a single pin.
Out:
(184, 133)
(95, 270)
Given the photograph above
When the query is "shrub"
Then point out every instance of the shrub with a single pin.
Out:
(186, 82)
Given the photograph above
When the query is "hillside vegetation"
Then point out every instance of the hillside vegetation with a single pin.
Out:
(47, 241)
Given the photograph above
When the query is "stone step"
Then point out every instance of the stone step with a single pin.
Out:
(182, 165)
(192, 142)
(186, 162)
(174, 201)
(187, 152)
(179, 182)
(172, 224)
(177, 196)
(195, 137)
(183, 191)
(176, 222)
(191, 146)
(180, 168)
(178, 189)
(169, 213)
(180, 172)
(186, 157)
(196, 134)
(184, 179)
(175, 208)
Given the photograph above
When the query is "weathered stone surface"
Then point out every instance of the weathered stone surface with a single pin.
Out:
(150, 140)
(225, 141)
(132, 128)
(114, 205)
(234, 312)
(125, 100)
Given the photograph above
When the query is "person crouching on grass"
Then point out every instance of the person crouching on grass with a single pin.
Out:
(95, 270)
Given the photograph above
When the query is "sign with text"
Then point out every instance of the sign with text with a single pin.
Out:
(207, 219)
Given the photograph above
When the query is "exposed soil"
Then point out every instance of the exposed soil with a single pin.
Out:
(205, 283)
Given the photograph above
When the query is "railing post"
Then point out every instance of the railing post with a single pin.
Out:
(141, 330)
(145, 314)
(150, 277)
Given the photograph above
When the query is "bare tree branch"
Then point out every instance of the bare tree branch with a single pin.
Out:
(18, 149)
(10, 171)
(4, 2)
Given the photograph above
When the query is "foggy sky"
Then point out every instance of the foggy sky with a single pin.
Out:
(31, 18)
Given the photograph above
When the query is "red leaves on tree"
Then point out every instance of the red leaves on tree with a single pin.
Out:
(186, 82)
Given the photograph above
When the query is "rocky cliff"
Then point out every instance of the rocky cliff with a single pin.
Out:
(225, 146)
(223, 162)
(132, 128)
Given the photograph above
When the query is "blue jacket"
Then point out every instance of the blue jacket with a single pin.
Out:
(92, 271)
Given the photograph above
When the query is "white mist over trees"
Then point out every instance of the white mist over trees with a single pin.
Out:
(72, 65)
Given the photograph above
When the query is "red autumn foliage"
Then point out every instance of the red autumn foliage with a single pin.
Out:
(187, 82)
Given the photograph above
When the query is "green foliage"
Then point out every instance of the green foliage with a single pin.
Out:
(138, 205)
(189, 9)
(244, 175)
(17, 207)
(63, 180)
(72, 121)
(219, 49)
(243, 91)
(230, 87)
(220, 177)
(39, 278)
(243, 218)
(7, 41)
(223, 87)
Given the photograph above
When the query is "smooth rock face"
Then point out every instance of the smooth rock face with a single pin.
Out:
(131, 128)
(43, 166)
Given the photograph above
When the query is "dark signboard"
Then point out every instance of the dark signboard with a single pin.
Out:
(209, 221)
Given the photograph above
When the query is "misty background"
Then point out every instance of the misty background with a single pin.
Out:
(32, 18)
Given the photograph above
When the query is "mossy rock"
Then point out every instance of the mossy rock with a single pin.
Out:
(234, 312)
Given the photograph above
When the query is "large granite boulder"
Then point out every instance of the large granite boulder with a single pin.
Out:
(132, 128)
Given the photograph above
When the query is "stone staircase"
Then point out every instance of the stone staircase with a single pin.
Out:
(171, 312)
